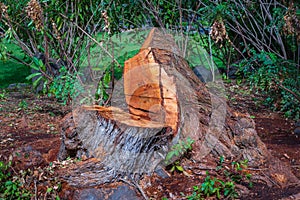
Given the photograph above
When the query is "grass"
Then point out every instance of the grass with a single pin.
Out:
(12, 71)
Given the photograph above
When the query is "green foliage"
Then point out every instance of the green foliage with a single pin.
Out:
(178, 150)
(211, 186)
(69, 25)
(3, 94)
(217, 187)
(275, 77)
(22, 105)
(65, 86)
(176, 153)
(3, 51)
(101, 94)
(12, 71)
(38, 75)
(10, 187)
(176, 167)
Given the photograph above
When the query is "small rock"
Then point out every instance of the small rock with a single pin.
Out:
(122, 192)
(297, 129)
(203, 74)
(297, 124)
(162, 173)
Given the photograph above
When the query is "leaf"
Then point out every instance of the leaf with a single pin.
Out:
(36, 61)
(179, 168)
(172, 169)
(33, 75)
(30, 23)
(49, 190)
(106, 80)
(35, 83)
(169, 156)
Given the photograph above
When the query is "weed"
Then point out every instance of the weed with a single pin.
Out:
(222, 189)
(65, 86)
(10, 186)
(178, 150)
(276, 78)
(22, 105)
(176, 167)
(174, 156)
(3, 95)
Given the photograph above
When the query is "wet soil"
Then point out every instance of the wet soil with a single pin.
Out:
(31, 124)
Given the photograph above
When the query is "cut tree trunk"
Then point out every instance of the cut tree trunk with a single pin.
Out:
(165, 103)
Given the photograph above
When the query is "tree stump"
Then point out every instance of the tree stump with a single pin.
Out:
(162, 102)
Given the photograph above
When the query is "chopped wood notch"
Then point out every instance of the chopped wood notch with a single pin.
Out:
(150, 92)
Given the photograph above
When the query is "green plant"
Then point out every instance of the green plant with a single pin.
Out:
(65, 87)
(276, 78)
(176, 167)
(229, 190)
(10, 186)
(39, 75)
(238, 172)
(225, 186)
(22, 105)
(3, 94)
(52, 192)
(211, 186)
(196, 195)
(101, 95)
(179, 150)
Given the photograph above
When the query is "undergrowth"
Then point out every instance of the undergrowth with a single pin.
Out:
(276, 78)
(221, 182)
(223, 187)
(11, 186)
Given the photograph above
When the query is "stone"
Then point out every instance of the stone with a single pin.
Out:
(297, 128)
(297, 131)
(203, 74)
(122, 192)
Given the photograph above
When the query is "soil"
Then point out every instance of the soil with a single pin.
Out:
(30, 125)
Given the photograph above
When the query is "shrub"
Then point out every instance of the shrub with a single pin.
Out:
(273, 76)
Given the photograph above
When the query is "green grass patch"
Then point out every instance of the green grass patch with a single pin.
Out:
(12, 71)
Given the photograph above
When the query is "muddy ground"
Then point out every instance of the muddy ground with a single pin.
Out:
(30, 126)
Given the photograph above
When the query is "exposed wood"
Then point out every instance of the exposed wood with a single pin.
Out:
(149, 91)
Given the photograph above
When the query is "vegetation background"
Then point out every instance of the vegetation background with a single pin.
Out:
(258, 42)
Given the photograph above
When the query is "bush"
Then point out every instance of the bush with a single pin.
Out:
(276, 77)
(64, 87)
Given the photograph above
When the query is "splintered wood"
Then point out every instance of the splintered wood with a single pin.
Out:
(150, 92)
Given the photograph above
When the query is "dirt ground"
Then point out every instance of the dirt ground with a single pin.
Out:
(31, 125)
